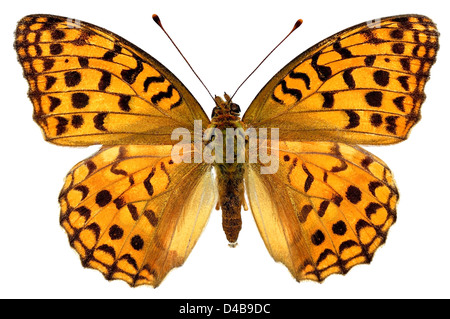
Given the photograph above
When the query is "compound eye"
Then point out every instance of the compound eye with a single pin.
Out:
(215, 112)
(235, 108)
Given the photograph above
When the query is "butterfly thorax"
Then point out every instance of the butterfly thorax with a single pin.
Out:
(230, 172)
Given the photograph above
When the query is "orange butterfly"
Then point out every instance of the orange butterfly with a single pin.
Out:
(134, 212)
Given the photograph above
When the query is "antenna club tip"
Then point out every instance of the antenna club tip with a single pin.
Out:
(156, 19)
(297, 24)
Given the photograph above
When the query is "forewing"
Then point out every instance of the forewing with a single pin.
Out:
(134, 214)
(90, 86)
(363, 85)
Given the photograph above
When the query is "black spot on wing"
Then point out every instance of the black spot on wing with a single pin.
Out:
(115, 232)
(137, 242)
(381, 77)
(323, 72)
(294, 92)
(155, 99)
(404, 82)
(328, 101)
(353, 119)
(103, 198)
(318, 238)
(345, 53)
(309, 180)
(99, 121)
(303, 214)
(397, 34)
(109, 56)
(72, 78)
(151, 217)
(79, 100)
(323, 208)
(133, 211)
(337, 199)
(54, 103)
(61, 127)
(105, 81)
(48, 64)
(348, 78)
(302, 76)
(83, 189)
(374, 98)
(353, 194)
(399, 103)
(391, 126)
(152, 79)
(276, 99)
(147, 184)
(376, 119)
(406, 64)
(339, 228)
(372, 209)
(56, 48)
(369, 60)
(398, 48)
(84, 62)
(119, 202)
(124, 103)
(130, 75)
(77, 121)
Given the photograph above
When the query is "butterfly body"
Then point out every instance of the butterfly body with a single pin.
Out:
(230, 173)
(133, 212)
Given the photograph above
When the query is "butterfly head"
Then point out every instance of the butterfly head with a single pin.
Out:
(225, 109)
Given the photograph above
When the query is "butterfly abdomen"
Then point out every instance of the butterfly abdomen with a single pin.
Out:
(230, 180)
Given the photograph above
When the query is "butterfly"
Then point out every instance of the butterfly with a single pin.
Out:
(133, 212)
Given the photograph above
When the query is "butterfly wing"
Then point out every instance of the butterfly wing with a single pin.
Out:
(129, 210)
(363, 85)
(330, 204)
(134, 214)
(328, 207)
(90, 86)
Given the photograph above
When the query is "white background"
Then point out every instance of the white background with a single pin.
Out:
(223, 42)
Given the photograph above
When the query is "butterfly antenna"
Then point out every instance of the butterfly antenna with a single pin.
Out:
(296, 25)
(158, 22)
